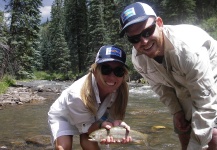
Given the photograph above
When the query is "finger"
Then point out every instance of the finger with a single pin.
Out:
(108, 139)
(118, 141)
(124, 125)
(129, 138)
(124, 140)
(108, 126)
(103, 141)
(112, 139)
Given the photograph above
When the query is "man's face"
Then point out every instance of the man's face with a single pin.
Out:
(147, 37)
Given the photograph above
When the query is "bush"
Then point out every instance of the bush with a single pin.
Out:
(42, 75)
(9, 80)
(5, 82)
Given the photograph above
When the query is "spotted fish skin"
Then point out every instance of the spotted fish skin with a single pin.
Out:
(118, 133)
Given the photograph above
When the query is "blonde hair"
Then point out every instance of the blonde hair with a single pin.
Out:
(118, 108)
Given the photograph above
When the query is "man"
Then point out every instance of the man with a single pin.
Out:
(179, 62)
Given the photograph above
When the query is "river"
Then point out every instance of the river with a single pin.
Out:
(143, 112)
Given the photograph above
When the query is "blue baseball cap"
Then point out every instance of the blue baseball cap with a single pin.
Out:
(135, 13)
(109, 53)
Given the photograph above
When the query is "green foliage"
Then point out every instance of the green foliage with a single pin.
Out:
(5, 82)
(42, 75)
(133, 74)
(176, 12)
(9, 80)
(78, 28)
(210, 25)
(58, 50)
(3, 87)
(24, 28)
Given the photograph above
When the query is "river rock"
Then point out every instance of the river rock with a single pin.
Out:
(19, 95)
(39, 140)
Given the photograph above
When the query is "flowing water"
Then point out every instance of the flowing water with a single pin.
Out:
(144, 111)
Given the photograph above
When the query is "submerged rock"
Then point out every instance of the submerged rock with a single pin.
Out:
(39, 140)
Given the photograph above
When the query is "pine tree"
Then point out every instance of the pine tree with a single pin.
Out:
(176, 11)
(45, 47)
(24, 28)
(206, 9)
(96, 27)
(76, 33)
(59, 52)
(4, 48)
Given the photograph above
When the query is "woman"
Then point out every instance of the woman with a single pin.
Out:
(97, 100)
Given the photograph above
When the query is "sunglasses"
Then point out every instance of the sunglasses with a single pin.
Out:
(118, 71)
(145, 33)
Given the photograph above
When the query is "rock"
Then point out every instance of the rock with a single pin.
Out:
(19, 96)
(18, 143)
(40, 140)
(40, 88)
(3, 147)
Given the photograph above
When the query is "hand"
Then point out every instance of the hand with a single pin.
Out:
(110, 139)
(121, 124)
(180, 122)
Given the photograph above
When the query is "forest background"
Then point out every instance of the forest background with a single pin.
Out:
(67, 43)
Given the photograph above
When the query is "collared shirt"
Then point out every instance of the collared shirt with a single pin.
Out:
(69, 116)
(186, 80)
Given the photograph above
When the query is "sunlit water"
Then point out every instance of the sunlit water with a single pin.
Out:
(144, 111)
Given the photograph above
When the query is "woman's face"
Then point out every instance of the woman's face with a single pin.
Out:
(112, 74)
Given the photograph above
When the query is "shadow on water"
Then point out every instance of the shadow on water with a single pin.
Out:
(144, 111)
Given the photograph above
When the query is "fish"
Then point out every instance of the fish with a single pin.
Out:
(118, 133)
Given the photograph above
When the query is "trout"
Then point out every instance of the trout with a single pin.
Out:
(118, 133)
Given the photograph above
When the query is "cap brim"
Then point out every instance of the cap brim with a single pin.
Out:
(110, 60)
(137, 20)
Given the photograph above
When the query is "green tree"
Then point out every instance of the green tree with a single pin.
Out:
(87, 25)
(177, 11)
(59, 52)
(45, 46)
(210, 25)
(76, 33)
(96, 27)
(206, 9)
(24, 28)
(4, 48)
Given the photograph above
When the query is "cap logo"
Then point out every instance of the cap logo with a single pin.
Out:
(128, 13)
(113, 51)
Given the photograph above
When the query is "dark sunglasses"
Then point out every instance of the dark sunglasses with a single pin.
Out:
(118, 71)
(145, 33)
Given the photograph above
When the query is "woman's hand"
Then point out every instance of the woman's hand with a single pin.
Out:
(121, 124)
(110, 139)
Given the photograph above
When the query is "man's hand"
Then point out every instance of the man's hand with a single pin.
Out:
(180, 122)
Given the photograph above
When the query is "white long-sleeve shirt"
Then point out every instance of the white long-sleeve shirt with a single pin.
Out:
(186, 80)
(69, 116)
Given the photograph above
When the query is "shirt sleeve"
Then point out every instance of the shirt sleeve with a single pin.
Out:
(78, 113)
(168, 98)
(201, 84)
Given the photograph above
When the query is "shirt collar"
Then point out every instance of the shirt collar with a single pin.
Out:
(167, 43)
(95, 89)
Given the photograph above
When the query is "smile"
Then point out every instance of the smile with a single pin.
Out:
(110, 83)
(149, 47)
